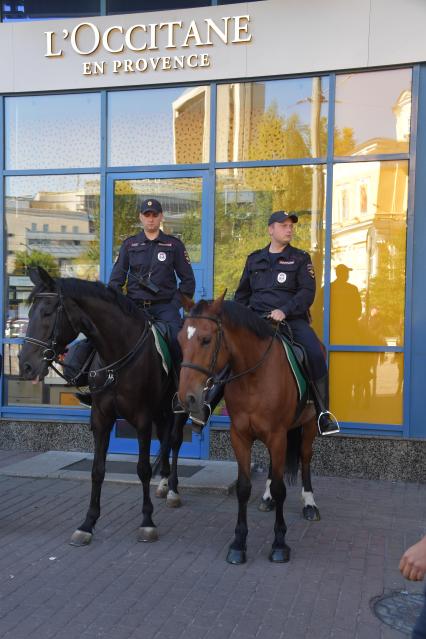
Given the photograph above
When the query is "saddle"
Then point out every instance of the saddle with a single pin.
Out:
(299, 365)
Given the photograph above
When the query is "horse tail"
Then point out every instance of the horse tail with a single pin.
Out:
(294, 445)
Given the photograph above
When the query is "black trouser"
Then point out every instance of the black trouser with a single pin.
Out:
(419, 630)
(304, 334)
(169, 313)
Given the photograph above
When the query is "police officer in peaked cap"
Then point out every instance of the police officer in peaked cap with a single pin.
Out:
(156, 268)
(279, 281)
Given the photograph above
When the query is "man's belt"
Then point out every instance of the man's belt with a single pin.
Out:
(149, 303)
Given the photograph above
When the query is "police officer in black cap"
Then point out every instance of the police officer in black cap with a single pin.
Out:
(150, 264)
(279, 281)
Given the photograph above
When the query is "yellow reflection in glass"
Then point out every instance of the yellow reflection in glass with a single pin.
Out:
(367, 387)
(275, 119)
(245, 198)
(367, 291)
(373, 112)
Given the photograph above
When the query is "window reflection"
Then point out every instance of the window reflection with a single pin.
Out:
(52, 131)
(367, 387)
(368, 253)
(51, 221)
(244, 200)
(181, 199)
(133, 6)
(373, 112)
(278, 119)
(159, 126)
(42, 9)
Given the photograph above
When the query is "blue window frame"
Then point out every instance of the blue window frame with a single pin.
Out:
(414, 308)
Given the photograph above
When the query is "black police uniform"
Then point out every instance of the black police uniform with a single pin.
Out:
(150, 268)
(284, 281)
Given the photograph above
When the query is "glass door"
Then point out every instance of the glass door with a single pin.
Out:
(183, 196)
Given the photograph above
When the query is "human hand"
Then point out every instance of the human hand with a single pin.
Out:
(413, 561)
(277, 315)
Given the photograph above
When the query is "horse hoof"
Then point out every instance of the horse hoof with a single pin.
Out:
(173, 500)
(162, 489)
(148, 534)
(311, 513)
(81, 538)
(280, 555)
(266, 505)
(236, 557)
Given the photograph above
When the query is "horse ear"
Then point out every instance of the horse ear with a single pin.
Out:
(39, 276)
(187, 302)
(216, 307)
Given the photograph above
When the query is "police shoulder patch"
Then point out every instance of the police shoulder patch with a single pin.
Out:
(311, 270)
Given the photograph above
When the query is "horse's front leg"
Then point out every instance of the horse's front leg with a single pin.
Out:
(310, 509)
(267, 503)
(173, 497)
(242, 448)
(101, 425)
(280, 552)
(163, 436)
(147, 530)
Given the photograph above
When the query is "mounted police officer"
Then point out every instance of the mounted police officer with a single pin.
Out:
(279, 281)
(149, 264)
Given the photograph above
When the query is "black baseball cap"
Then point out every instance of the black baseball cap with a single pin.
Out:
(282, 216)
(150, 205)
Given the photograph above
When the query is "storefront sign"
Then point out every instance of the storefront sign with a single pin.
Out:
(183, 39)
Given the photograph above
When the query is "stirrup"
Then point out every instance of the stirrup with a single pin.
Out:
(333, 423)
(198, 424)
(177, 407)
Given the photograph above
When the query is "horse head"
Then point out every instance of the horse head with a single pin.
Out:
(50, 328)
(204, 353)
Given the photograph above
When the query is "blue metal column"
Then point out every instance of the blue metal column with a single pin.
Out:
(417, 362)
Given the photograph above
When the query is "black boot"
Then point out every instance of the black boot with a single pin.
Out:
(84, 398)
(213, 397)
(326, 421)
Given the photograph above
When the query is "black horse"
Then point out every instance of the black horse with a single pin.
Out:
(132, 382)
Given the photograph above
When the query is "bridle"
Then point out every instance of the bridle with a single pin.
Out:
(212, 377)
(50, 354)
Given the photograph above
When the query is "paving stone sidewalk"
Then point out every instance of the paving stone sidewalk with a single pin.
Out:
(181, 586)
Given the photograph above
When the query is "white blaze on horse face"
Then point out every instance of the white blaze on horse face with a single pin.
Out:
(191, 331)
(308, 498)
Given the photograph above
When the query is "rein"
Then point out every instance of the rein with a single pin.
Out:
(50, 354)
(212, 378)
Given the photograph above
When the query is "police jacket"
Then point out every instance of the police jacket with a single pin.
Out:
(284, 281)
(150, 268)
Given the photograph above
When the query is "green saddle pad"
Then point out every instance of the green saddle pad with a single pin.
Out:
(300, 379)
(163, 349)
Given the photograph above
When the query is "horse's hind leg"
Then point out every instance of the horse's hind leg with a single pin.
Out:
(147, 530)
(242, 448)
(310, 510)
(173, 497)
(101, 424)
(280, 552)
(267, 503)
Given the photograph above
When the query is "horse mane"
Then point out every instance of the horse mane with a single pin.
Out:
(78, 289)
(238, 316)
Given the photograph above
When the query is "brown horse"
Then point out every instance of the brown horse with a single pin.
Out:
(262, 399)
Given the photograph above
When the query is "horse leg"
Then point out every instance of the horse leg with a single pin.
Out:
(242, 448)
(147, 530)
(280, 552)
(310, 510)
(163, 487)
(267, 503)
(173, 497)
(101, 424)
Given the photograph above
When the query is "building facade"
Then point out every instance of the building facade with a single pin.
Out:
(225, 113)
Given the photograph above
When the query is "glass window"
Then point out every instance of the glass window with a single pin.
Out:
(373, 112)
(53, 131)
(159, 126)
(42, 9)
(133, 6)
(51, 201)
(278, 119)
(181, 201)
(244, 200)
(52, 391)
(367, 387)
(368, 253)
